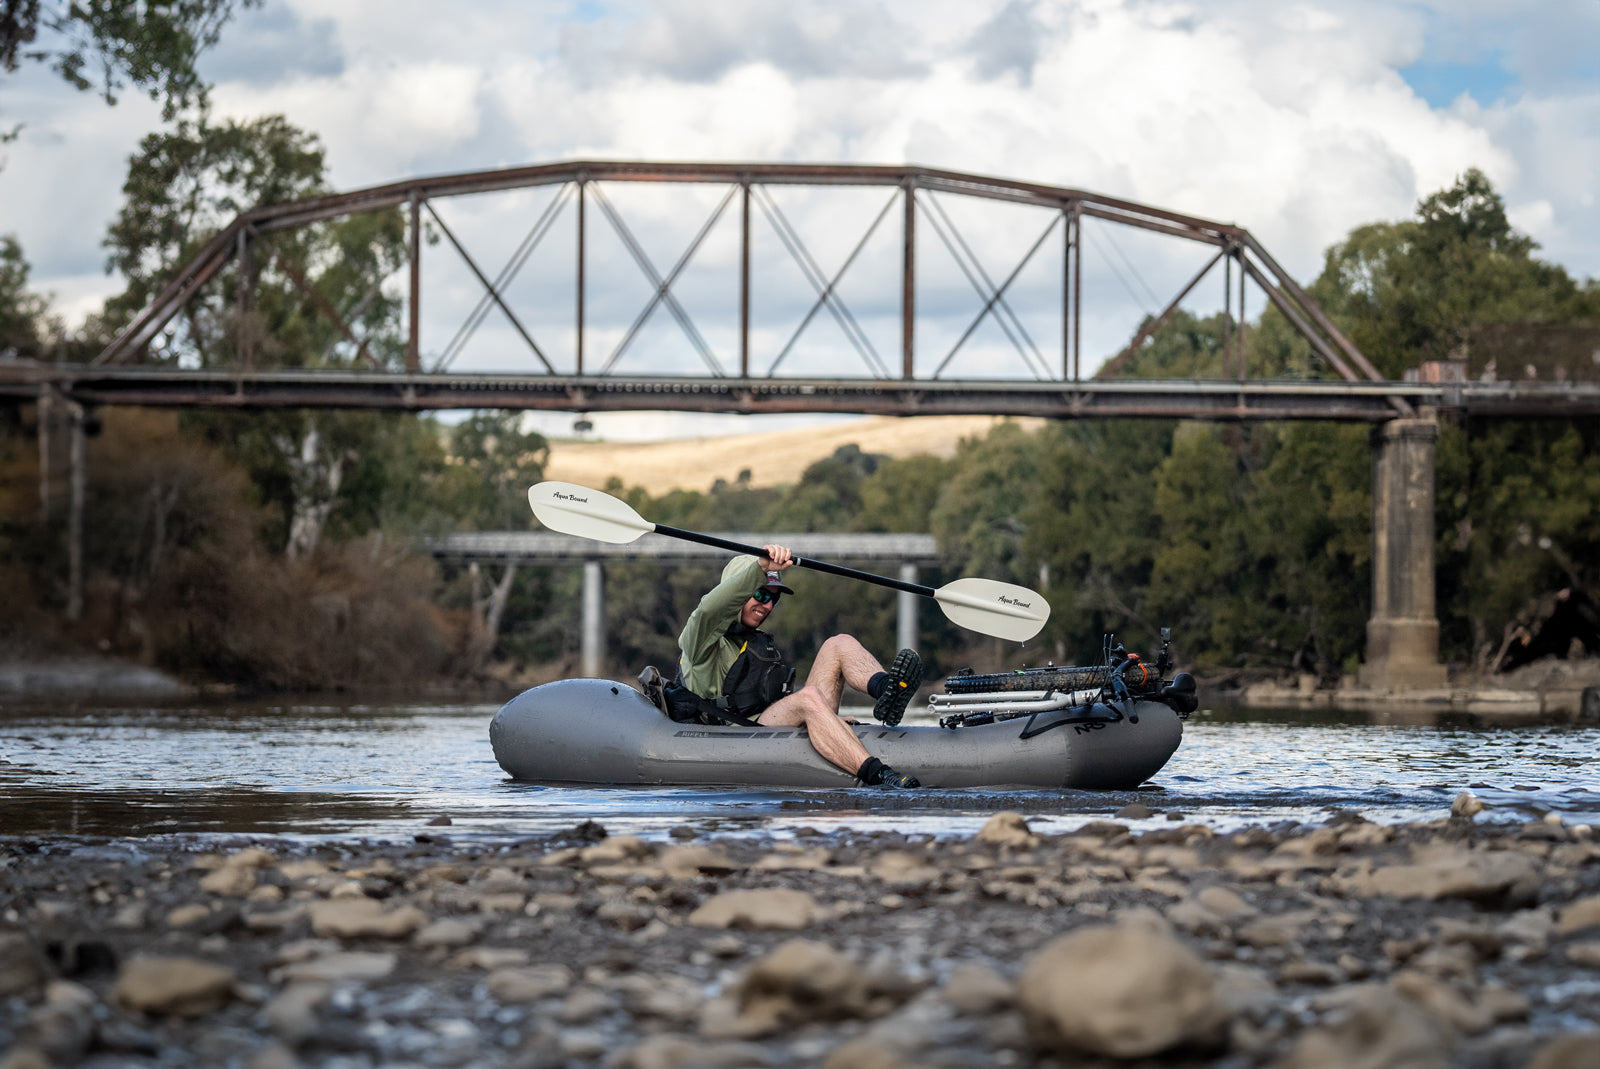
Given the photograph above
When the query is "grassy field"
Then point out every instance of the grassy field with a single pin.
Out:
(773, 458)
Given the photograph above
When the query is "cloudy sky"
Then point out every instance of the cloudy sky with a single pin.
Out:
(1298, 120)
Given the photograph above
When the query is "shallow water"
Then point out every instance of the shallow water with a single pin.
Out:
(382, 772)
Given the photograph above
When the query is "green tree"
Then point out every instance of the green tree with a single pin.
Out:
(1203, 580)
(901, 494)
(24, 315)
(1310, 528)
(828, 495)
(183, 186)
(1416, 290)
(187, 183)
(108, 45)
(493, 461)
(1184, 347)
(1092, 522)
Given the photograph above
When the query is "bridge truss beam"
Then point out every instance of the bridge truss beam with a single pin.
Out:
(918, 190)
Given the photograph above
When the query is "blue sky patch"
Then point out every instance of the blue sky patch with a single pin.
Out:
(1486, 81)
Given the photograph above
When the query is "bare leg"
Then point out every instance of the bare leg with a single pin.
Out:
(830, 735)
(842, 660)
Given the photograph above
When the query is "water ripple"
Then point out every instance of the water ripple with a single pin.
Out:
(383, 771)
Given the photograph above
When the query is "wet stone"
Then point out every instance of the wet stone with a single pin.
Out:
(678, 1052)
(292, 1014)
(1008, 828)
(63, 1027)
(528, 983)
(776, 908)
(803, 981)
(23, 968)
(357, 917)
(1581, 1051)
(340, 965)
(1586, 954)
(1375, 1026)
(974, 988)
(1091, 990)
(447, 932)
(1584, 913)
(181, 986)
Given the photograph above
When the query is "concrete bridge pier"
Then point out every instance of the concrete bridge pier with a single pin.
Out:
(906, 626)
(594, 619)
(1403, 632)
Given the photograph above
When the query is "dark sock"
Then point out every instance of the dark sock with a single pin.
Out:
(875, 685)
(869, 771)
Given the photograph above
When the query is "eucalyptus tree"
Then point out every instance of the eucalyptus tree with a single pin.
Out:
(184, 185)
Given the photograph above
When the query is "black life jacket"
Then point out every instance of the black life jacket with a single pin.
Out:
(756, 679)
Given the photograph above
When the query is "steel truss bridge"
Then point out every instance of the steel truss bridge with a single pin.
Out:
(901, 384)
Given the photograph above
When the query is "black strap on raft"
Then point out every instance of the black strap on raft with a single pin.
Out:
(1031, 732)
(687, 707)
(757, 678)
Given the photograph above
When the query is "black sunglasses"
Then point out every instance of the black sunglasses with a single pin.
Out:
(766, 597)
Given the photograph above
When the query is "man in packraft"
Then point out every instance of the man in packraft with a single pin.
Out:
(731, 672)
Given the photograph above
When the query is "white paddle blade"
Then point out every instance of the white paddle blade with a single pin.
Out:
(1003, 610)
(578, 510)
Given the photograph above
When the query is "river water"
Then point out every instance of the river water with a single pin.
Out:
(383, 772)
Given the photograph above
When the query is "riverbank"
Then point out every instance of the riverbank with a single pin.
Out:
(1552, 690)
(1444, 943)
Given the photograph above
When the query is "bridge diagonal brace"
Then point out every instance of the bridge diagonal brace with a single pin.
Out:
(790, 237)
(514, 264)
(196, 273)
(1293, 315)
(487, 285)
(986, 289)
(663, 288)
(827, 289)
(298, 278)
(1399, 404)
(1150, 326)
(664, 285)
(1312, 309)
(996, 297)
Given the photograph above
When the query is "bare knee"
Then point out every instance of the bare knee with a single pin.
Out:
(811, 701)
(839, 645)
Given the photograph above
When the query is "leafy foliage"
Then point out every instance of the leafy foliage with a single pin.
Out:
(107, 45)
(1416, 290)
(24, 322)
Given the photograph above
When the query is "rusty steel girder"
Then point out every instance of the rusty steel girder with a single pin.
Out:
(1220, 400)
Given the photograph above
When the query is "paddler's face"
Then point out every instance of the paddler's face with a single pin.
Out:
(758, 608)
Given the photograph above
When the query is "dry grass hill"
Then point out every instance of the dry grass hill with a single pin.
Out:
(773, 458)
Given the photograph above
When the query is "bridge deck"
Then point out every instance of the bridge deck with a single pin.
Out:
(1120, 398)
(544, 546)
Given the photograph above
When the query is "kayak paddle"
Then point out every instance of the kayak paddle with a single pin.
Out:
(988, 607)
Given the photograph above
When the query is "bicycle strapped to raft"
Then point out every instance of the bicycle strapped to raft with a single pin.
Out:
(1094, 694)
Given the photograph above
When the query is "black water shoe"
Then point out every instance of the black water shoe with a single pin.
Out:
(900, 686)
(888, 777)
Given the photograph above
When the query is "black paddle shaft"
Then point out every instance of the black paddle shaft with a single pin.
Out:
(802, 562)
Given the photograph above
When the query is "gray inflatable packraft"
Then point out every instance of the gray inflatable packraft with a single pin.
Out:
(596, 731)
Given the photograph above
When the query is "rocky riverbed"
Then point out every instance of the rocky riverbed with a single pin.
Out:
(1450, 943)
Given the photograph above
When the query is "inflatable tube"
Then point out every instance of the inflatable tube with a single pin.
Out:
(596, 731)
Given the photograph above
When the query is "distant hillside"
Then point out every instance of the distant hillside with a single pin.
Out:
(773, 458)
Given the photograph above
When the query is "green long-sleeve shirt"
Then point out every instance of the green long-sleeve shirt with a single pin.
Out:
(708, 651)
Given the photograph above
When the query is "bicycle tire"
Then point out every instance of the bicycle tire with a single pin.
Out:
(1062, 678)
